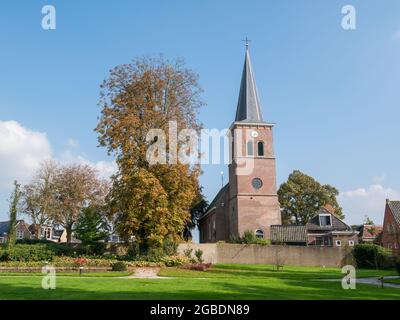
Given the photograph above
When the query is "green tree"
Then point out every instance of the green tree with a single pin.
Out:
(301, 196)
(91, 227)
(14, 202)
(198, 208)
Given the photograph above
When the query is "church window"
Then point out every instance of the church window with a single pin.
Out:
(256, 183)
(260, 148)
(250, 151)
(259, 234)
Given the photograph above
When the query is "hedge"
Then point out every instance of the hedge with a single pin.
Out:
(368, 255)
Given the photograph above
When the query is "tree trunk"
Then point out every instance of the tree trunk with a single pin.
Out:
(68, 229)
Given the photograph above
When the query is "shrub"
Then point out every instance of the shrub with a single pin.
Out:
(199, 255)
(170, 248)
(118, 266)
(188, 252)
(249, 238)
(26, 252)
(175, 261)
(368, 255)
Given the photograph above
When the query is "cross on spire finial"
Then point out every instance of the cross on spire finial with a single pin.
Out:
(246, 41)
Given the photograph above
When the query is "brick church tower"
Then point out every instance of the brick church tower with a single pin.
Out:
(249, 201)
(253, 199)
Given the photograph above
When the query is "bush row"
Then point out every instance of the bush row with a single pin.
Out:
(368, 255)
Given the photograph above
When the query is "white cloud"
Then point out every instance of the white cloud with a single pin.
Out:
(72, 143)
(21, 151)
(366, 201)
(104, 168)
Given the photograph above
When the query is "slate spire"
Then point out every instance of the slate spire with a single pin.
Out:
(248, 107)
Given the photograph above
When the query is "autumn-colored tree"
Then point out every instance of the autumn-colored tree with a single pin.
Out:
(14, 201)
(38, 196)
(75, 188)
(152, 201)
(301, 196)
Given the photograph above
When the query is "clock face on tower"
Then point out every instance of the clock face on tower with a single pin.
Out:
(254, 134)
(256, 183)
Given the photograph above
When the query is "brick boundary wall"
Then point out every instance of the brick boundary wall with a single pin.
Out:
(272, 254)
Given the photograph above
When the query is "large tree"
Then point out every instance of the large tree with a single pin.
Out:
(152, 201)
(75, 188)
(38, 196)
(301, 196)
(14, 201)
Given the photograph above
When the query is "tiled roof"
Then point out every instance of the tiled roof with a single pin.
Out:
(395, 208)
(288, 233)
(337, 224)
(371, 231)
(212, 204)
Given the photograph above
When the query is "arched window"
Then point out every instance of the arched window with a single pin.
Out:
(250, 151)
(259, 234)
(260, 148)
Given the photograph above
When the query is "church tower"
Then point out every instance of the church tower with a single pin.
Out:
(253, 200)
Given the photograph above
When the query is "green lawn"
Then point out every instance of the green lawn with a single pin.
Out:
(395, 281)
(220, 282)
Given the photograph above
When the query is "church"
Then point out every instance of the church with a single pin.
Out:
(249, 202)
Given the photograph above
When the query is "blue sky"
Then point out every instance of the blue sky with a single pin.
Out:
(333, 94)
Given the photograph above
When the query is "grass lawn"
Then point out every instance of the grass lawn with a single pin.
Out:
(220, 282)
(395, 281)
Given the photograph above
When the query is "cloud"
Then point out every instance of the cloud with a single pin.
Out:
(396, 35)
(366, 201)
(72, 143)
(21, 151)
(104, 168)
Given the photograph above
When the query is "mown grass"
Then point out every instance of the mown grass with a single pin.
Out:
(219, 282)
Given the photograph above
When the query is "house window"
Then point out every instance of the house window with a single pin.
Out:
(351, 243)
(20, 234)
(250, 151)
(260, 148)
(259, 234)
(389, 245)
(319, 241)
(1, 240)
(338, 243)
(325, 220)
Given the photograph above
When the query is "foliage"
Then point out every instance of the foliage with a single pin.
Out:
(170, 247)
(14, 201)
(188, 252)
(119, 266)
(368, 220)
(174, 261)
(151, 200)
(199, 255)
(91, 227)
(397, 265)
(301, 196)
(58, 249)
(26, 252)
(199, 207)
(38, 198)
(76, 187)
(249, 238)
(368, 255)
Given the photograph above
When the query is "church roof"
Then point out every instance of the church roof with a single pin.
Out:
(248, 107)
(211, 206)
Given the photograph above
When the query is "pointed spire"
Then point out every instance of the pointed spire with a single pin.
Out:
(248, 107)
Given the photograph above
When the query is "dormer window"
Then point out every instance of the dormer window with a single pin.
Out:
(325, 220)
